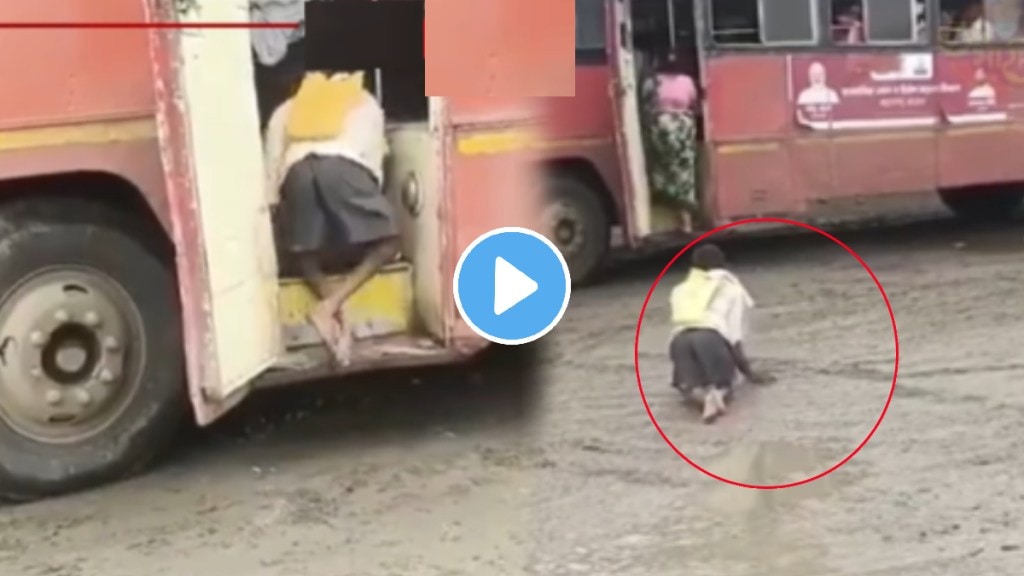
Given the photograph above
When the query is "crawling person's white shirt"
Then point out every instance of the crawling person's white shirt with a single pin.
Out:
(363, 140)
(729, 310)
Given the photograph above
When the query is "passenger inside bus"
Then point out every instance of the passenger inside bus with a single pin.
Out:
(982, 21)
(848, 27)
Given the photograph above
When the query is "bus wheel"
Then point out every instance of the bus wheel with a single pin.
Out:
(983, 205)
(91, 361)
(578, 224)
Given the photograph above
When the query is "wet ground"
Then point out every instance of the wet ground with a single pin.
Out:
(500, 471)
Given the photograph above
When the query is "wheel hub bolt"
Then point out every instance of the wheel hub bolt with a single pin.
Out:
(83, 397)
(92, 319)
(106, 375)
(37, 338)
(110, 343)
(62, 316)
(53, 397)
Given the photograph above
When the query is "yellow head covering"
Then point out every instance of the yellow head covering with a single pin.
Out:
(322, 104)
(691, 298)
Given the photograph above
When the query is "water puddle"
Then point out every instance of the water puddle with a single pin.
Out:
(766, 535)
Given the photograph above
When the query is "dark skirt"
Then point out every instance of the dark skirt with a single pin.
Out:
(332, 203)
(701, 358)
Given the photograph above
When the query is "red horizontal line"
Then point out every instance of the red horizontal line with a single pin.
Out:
(150, 25)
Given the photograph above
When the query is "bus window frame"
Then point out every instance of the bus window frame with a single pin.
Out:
(704, 13)
(926, 43)
(825, 43)
(593, 55)
(954, 46)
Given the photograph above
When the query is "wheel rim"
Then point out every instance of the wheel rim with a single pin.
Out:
(71, 344)
(566, 228)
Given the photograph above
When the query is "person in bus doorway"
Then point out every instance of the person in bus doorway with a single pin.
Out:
(325, 150)
(710, 311)
(668, 105)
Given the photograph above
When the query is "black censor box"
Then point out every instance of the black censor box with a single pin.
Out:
(365, 34)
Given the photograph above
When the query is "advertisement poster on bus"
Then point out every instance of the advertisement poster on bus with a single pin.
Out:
(986, 96)
(901, 90)
(843, 92)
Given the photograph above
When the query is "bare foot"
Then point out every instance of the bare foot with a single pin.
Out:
(710, 409)
(342, 347)
(714, 406)
(327, 326)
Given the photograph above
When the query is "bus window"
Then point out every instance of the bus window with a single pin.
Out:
(879, 22)
(735, 22)
(981, 21)
(590, 31)
(764, 22)
(789, 22)
(651, 27)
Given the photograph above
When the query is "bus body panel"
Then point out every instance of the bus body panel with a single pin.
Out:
(86, 103)
(76, 75)
(978, 155)
(625, 97)
(489, 184)
(579, 132)
(415, 188)
(234, 216)
(752, 165)
(201, 360)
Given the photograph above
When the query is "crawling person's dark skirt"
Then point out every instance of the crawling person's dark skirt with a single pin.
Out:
(330, 203)
(701, 358)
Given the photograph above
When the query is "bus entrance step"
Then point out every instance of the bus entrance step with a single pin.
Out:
(367, 354)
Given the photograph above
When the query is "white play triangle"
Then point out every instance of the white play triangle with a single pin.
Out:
(511, 286)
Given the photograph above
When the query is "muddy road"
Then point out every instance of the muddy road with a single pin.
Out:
(543, 462)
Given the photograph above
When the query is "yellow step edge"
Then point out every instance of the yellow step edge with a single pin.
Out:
(382, 307)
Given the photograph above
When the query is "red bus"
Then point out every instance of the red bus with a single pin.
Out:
(819, 110)
(139, 277)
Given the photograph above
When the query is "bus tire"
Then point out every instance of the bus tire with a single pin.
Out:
(91, 355)
(977, 205)
(578, 224)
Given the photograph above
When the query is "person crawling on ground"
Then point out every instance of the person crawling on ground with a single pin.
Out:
(325, 150)
(710, 312)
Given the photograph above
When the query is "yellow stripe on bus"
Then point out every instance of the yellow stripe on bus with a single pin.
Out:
(747, 147)
(89, 133)
(516, 140)
(494, 142)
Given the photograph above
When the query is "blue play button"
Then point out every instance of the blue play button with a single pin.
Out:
(512, 286)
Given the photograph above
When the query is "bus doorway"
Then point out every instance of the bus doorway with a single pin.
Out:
(669, 107)
(399, 310)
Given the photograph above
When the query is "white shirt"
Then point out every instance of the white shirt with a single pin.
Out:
(982, 92)
(979, 31)
(363, 141)
(729, 310)
(817, 95)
